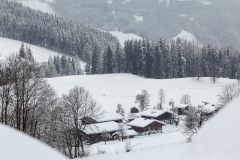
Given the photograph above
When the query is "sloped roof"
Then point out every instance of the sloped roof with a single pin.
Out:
(100, 127)
(182, 105)
(153, 113)
(142, 122)
(110, 117)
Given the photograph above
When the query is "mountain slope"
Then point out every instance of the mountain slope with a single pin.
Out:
(211, 21)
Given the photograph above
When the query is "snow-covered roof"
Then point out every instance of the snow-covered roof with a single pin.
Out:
(209, 107)
(100, 127)
(128, 133)
(110, 117)
(153, 113)
(182, 105)
(142, 122)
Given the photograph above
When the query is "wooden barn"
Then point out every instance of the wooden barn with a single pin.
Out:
(93, 132)
(146, 126)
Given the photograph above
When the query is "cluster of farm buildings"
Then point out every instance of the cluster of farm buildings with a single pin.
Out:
(138, 124)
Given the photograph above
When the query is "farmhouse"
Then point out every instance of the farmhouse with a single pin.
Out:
(181, 108)
(157, 115)
(146, 126)
(93, 132)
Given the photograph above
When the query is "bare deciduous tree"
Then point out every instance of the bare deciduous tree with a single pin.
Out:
(121, 131)
(143, 100)
(162, 99)
(186, 99)
(105, 135)
(120, 110)
(78, 104)
(229, 92)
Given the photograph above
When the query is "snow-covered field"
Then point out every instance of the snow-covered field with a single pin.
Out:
(112, 89)
(168, 152)
(122, 37)
(142, 142)
(14, 145)
(41, 5)
(8, 46)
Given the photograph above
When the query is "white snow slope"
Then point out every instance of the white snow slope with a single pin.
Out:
(219, 138)
(122, 37)
(15, 145)
(8, 46)
(185, 35)
(38, 5)
(112, 89)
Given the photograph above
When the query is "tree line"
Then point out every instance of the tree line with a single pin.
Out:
(162, 61)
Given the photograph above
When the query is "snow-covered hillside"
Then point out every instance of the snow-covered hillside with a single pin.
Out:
(219, 138)
(41, 5)
(111, 89)
(122, 37)
(8, 46)
(14, 145)
(185, 35)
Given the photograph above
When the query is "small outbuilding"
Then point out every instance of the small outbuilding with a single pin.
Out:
(134, 110)
(181, 108)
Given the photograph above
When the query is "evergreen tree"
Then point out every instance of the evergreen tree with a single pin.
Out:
(95, 60)
(181, 63)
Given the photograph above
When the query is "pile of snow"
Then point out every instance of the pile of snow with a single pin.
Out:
(38, 5)
(15, 145)
(122, 37)
(109, 90)
(111, 117)
(219, 138)
(185, 35)
(8, 46)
